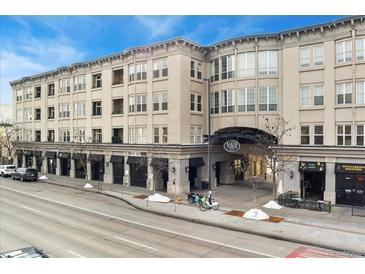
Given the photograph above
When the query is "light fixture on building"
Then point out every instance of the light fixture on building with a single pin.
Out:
(173, 170)
(107, 164)
(186, 169)
(291, 174)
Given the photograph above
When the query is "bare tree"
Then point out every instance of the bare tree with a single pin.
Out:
(8, 136)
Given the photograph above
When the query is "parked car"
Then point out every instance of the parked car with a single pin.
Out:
(27, 252)
(25, 174)
(7, 170)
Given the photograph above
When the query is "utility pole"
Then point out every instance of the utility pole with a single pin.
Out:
(209, 140)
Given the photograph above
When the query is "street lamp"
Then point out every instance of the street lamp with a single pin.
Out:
(209, 152)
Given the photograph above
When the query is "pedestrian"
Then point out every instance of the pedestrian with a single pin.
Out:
(210, 197)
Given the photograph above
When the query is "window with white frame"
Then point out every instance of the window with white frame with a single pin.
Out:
(246, 99)
(97, 80)
(360, 49)
(28, 114)
(344, 135)
(160, 135)
(80, 82)
(28, 93)
(196, 102)
(51, 113)
(160, 68)
(51, 89)
(268, 62)
(214, 102)
(246, 64)
(118, 76)
(131, 72)
(19, 115)
(19, 135)
(360, 92)
(97, 108)
(64, 86)
(228, 66)
(131, 104)
(304, 96)
(38, 92)
(141, 103)
(97, 135)
(344, 93)
(360, 129)
(141, 135)
(64, 110)
(304, 135)
(79, 109)
(156, 135)
(131, 135)
(227, 100)
(311, 56)
(196, 135)
(268, 99)
(160, 102)
(318, 55)
(318, 98)
(214, 70)
(343, 51)
(141, 71)
(79, 135)
(195, 69)
(305, 57)
(28, 135)
(19, 95)
(164, 135)
(318, 135)
(64, 135)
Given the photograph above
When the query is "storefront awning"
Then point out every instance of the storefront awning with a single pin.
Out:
(79, 156)
(312, 166)
(28, 152)
(159, 162)
(64, 155)
(117, 159)
(137, 160)
(96, 158)
(50, 154)
(38, 153)
(196, 162)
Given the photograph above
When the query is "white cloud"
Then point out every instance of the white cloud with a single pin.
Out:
(159, 26)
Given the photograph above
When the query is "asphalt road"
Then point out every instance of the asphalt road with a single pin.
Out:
(69, 223)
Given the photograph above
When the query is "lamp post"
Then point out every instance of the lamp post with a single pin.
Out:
(209, 150)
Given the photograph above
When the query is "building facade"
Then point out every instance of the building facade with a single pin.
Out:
(138, 117)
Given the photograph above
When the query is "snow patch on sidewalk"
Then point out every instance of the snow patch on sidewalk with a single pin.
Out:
(43, 177)
(88, 186)
(256, 214)
(158, 198)
(272, 205)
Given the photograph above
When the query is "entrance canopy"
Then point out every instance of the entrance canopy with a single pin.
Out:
(244, 135)
(117, 159)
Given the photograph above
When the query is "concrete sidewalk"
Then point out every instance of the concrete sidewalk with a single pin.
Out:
(336, 230)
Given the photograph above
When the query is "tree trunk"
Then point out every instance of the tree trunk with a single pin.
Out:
(274, 188)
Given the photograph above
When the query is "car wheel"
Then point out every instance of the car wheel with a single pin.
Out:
(2, 174)
(12, 177)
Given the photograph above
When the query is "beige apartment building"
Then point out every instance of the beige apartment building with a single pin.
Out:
(142, 113)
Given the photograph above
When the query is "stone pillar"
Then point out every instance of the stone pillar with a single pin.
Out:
(330, 183)
(150, 176)
(44, 165)
(15, 160)
(108, 170)
(88, 167)
(203, 175)
(24, 164)
(72, 170)
(58, 166)
(227, 175)
(34, 162)
(126, 177)
(178, 177)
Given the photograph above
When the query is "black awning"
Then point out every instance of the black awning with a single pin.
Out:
(117, 159)
(50, 154)
(96, 158)
(28, 152)
(196, 162)
(159, 162)
(79, 156)
(38, 153)
(136, 160)
(64, 155)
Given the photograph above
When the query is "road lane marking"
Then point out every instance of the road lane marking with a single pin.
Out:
(135, 243)
(75, 254)
(29, 208)
(141, 224)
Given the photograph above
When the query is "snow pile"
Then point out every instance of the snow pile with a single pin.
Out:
(272, 205)
(87, 185)
(43, 177)
(256, 214)
(158, 198)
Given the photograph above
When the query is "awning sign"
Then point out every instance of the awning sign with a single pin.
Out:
(350, 168)
(231, 146)
(312, 166)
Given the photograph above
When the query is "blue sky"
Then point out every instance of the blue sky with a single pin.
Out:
(34, 44)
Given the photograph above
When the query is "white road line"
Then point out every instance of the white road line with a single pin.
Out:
(75, 254)
(29, 208)
(135, 243)
(141, 224)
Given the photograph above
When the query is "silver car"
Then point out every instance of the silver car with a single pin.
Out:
(7, 170)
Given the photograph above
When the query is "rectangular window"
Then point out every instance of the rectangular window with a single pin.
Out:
(199, 103)
(268, 99)
(97, 108)
(199, 135)
(304, 96)
(156, 102)
(227, 100)
(97, 81)
(64, 135)
(199, 71)
(304, 138)
(131, 73)
(360, 49)
(28, 115)
(160, 102)
(318, 135)
(344, 135)
(344, 51)
(344, 93)
(79, 135)
(131, 103)
(28, 135)
(64, 86)
(141, 71)
(318, 95)
(192, 69)
(141, 135)
(97, 136)
(305, 57)
(37, 137)
(19, 115)
(192, 135)
(79, 109)
(318, 55)
(156, 135)
(141, 103)
(192, 102)
(64, 110)
(214, 70)
(19, 95)
(79, 82)
(131, 135)
(51, 89)
(164, 135)
(51, 135)
(118, 76)
(28, 93)
(360, 92)
(38, 91)
(37, 114)
(228, 66)
(246, 99)
(360, 135)
(118, 106)
(164, 101)
(246, 64)
(214, 102)
(160, 68)
(268, 62)
(50, 112)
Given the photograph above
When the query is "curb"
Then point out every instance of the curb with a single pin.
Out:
(214, 224)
